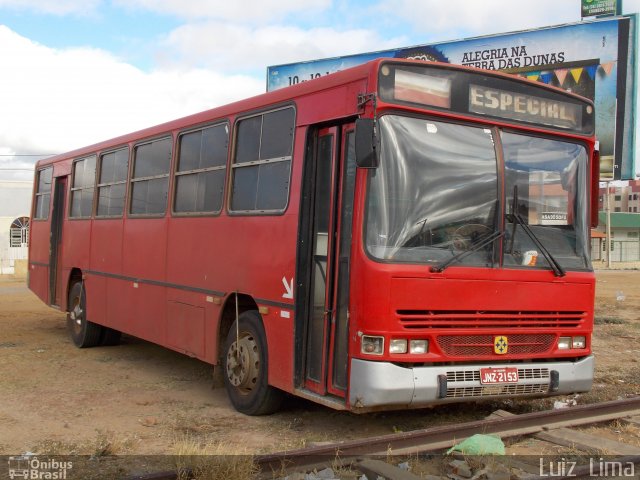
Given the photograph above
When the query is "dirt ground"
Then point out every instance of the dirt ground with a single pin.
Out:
(138, 398)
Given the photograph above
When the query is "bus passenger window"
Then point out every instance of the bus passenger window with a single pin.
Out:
(43, 194)
(84, 178)
(112, 183)
(262, 164)
(202, 166)
(150, 179)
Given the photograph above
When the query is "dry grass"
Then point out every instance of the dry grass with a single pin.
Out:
(106, 443)
(198, 460)
(605, 319)
(57, 447)
(109, 443)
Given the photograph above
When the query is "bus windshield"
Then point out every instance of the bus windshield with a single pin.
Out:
(437, 193)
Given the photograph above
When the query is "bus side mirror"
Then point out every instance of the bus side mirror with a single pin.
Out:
(366, 143)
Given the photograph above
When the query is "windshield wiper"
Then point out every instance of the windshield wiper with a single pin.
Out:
(516, 219)
(483, 242)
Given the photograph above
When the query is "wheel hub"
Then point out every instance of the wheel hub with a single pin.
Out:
(76, 316)
(243, 363)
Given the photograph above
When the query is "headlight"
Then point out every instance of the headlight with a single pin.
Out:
(576, 343)
(398, 345)
(419, 346)
(564, 343)
(579, 342)
(372, 345)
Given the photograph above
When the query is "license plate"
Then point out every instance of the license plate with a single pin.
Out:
(490, 376)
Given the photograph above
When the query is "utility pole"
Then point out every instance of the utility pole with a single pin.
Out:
(607, 240)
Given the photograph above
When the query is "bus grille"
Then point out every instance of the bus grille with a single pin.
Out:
(488, 390)
(416, 319)
(482, 345)
(457, 376)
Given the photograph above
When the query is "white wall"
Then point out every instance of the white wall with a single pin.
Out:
(15, 202)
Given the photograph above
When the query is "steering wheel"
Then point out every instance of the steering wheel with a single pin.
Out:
(466, 235)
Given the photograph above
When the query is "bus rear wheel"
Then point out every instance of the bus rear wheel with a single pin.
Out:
(245, 367)
(83, 332)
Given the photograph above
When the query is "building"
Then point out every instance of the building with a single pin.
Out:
(15, 207)
(624, 198)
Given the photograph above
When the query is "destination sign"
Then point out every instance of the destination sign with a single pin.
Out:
(483, 94)
(524, 107)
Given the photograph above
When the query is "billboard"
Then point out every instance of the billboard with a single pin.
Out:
(596, 59)
(600, 8)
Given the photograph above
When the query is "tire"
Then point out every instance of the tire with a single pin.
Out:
(110, 337)
(245, 369)
(83, 333)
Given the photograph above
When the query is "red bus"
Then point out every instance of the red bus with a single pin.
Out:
(395, 235)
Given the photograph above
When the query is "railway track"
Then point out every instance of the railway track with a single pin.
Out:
(438, 438)
(430, 439)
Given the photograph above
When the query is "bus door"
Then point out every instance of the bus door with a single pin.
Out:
(57, 217)
(331, 208)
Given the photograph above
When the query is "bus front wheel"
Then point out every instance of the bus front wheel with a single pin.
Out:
(245, 367)
(83, 332)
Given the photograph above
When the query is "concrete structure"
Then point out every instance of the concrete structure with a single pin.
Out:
(15, 208)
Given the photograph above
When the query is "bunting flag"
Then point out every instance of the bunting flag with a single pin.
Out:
(576, 73)
(546, 77)
(561, 74)
(607, 67)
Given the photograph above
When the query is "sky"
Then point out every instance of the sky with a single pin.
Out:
(75, 72)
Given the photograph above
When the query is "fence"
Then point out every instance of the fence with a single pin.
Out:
(621, 250)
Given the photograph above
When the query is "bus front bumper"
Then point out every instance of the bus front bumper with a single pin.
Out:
(384, 384)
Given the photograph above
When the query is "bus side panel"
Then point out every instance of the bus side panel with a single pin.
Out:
(257, 259)
(77, 243)
(212, 314)
(144, 256)
(74, 253)
(106, 259)
(194, 247)
(96, 288)
(39, 258)
(118, 311)
(106, 246)
(279, 333)
(186, 322)
(145, 311)
(144, 249)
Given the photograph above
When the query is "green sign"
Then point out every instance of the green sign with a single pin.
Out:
(599, 8)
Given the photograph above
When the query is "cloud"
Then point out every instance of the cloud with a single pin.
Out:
(470, 18)
(57, 100)
(233, 47)
(245, 10)
(55, 7)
